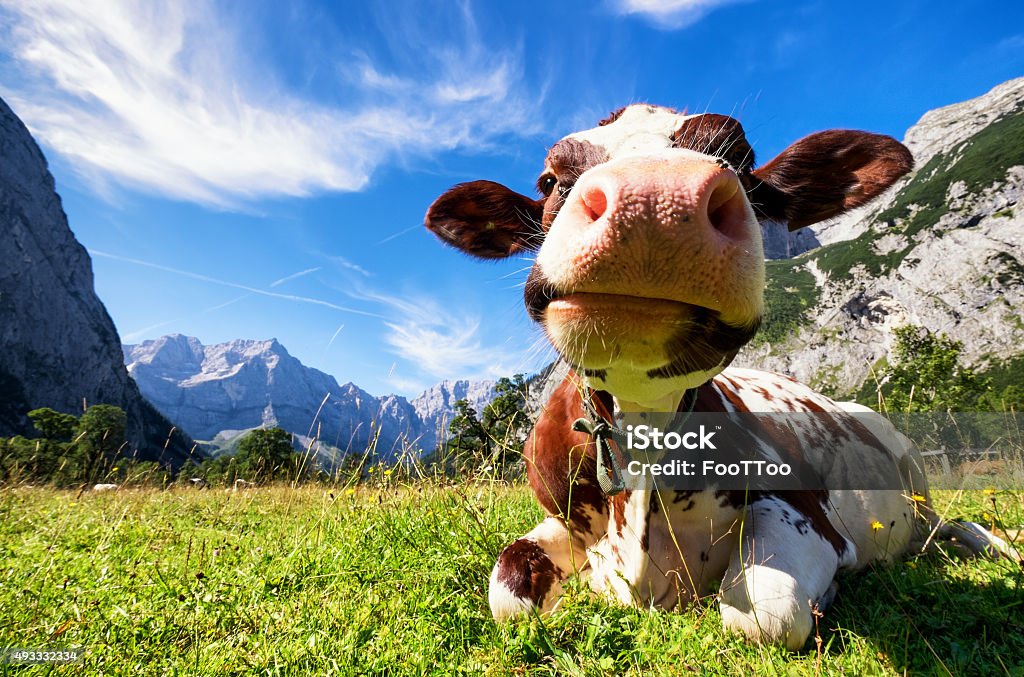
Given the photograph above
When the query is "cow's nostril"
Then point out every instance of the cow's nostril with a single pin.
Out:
(726, 209)
(595, 202)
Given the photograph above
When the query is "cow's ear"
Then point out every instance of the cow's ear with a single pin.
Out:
(826, 174)
(486, 219)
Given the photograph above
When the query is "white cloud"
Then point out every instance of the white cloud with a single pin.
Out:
(440, 342)
(165, 98)
(440, 349)
(411, 387)
(670, 14)
(348, 265)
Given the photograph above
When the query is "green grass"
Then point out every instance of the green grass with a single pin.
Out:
(789, 294)
(372, 581)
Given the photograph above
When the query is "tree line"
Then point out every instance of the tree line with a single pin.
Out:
(927, 374)
(77, 451)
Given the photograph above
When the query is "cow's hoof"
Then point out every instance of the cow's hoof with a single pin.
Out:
(524, 580)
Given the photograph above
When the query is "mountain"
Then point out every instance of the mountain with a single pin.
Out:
(228, 388)
(436, 406)
(944, 249)
(58, 345)
(218, 392)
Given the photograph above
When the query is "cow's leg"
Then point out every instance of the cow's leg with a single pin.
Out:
(529, 573)
(975, 539)
(782, 571)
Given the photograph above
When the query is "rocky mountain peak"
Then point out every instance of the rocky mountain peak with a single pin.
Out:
(218, 391)
(942, 249)
(943, 128)
(938, 131)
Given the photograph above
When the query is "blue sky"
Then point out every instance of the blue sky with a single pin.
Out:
(257, 170)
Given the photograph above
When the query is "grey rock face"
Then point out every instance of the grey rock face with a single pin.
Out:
(943, 249)
(940, 129)
(436, 406)
(58, 345)
(780, 243)
(937, 131)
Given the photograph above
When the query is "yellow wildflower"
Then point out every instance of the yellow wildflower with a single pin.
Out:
(989, 492)
(877, 526)
(919, 498)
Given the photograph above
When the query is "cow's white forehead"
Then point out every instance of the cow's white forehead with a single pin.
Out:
(639, 129)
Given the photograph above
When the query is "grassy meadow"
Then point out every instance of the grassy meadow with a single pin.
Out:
(393, 580)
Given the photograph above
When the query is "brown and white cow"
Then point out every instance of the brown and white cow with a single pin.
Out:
(648, 279)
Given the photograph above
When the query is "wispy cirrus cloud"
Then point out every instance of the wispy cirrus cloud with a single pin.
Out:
(434, 340)
(136, 334)
(345, 264)
(670, 14)
(440, 342)
(167, 98)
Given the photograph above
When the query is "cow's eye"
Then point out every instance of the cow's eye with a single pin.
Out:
(547, 183)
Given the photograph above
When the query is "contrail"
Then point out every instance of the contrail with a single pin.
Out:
(335, 336)
(400, 233)
(234, 285)
(289, 278)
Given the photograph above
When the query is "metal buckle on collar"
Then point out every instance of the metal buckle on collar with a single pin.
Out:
(609, 475)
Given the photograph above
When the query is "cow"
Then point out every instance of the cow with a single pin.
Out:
(648, 278)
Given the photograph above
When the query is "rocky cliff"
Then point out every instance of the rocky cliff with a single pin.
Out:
(943, 249)
(58, 345)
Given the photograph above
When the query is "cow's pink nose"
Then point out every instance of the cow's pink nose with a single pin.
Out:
(726, 206)
(665, 193)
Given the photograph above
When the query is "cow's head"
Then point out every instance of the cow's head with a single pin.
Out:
(649, 273)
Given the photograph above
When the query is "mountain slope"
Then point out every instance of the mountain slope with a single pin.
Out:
(58, 345)
(943, 249)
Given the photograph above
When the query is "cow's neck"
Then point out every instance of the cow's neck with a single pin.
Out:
(666, 404)
(638, 564)
(657, 412)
